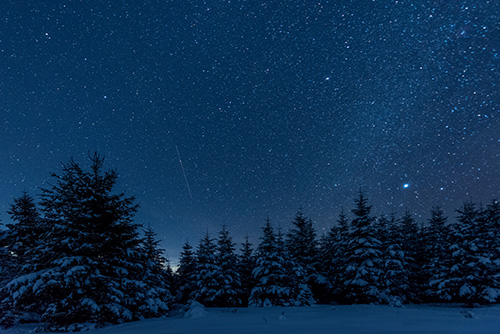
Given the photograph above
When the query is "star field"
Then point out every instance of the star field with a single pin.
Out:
(272, 105)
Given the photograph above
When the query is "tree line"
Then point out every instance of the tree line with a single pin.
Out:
(76, 259)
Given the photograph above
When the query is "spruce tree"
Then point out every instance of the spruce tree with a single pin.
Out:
(271, 282)
(279, 281)
(7, 273)
(186, 274)
(332, 255)
(156, 274)
(227, 273)
(246, 264)
(361, 280)
(7, 264)
(26, 229)
(207, 286)
(395, 270)
(470, 278)
(438, 254)
(16, 248)
(87, 264)
(295, 276)
(412, 246)
(302, 245)
(492, 230)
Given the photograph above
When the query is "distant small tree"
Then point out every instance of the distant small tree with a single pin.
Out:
(332, 257)
(279, 281)
(413, 247)
(207, 286)
(156, 273)
(438, 254)
(227, 274)
(246, 264)
(361, 280)
(271, 287)
(300, 293)
(395, 277)
(301, 244)
(25, 230)
(186, 273)
(471, 276)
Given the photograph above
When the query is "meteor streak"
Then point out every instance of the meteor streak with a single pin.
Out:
(184, 172)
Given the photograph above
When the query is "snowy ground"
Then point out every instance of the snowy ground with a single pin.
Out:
(315, 320)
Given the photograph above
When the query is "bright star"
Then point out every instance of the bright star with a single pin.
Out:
(406, 185)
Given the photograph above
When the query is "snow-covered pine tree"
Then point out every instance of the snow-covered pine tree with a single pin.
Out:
(26, 229)
(155, 275)
(395, 270)
(228, 275)
(207, 286)
(438, 254)
(412, 246)
(302, 246)
(332, 257)
(326, 251)
(7, 273)
(296, 276)
(491, 228)
(17, 248)
(271, 282)
(246, 264)
(361, 279)
(186, 274)
(471, 276)
(7, 265)
(87, 265)
(279, 281)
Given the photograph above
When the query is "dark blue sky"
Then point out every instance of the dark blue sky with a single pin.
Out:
(273, 105)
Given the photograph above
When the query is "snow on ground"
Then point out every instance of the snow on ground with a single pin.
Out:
(355, 319)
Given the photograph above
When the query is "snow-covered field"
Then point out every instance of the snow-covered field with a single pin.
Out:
(315, 320)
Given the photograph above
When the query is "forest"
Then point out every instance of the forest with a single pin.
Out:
(74, 256)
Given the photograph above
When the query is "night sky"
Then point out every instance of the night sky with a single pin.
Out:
(272, 106)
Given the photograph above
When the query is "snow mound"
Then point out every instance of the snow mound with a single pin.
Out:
(468, 314)
(195, 310)
(267, 303)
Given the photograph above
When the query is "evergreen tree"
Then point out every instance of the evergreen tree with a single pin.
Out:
(412, 246)
(87, 263)
(7, 265)
(246, 265)
(16, 248)
(302, 245)
(275, 283)
(361, 280)
(491, 228)
(269, 273)
(7, 273)
(438, 254)
(326, 253)
(207, 286)
(470, 277)
(332, 256)
(296, 276)
(26, 229)
(227, 273)
(186, 273)
(155, 274)
(395, 270)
